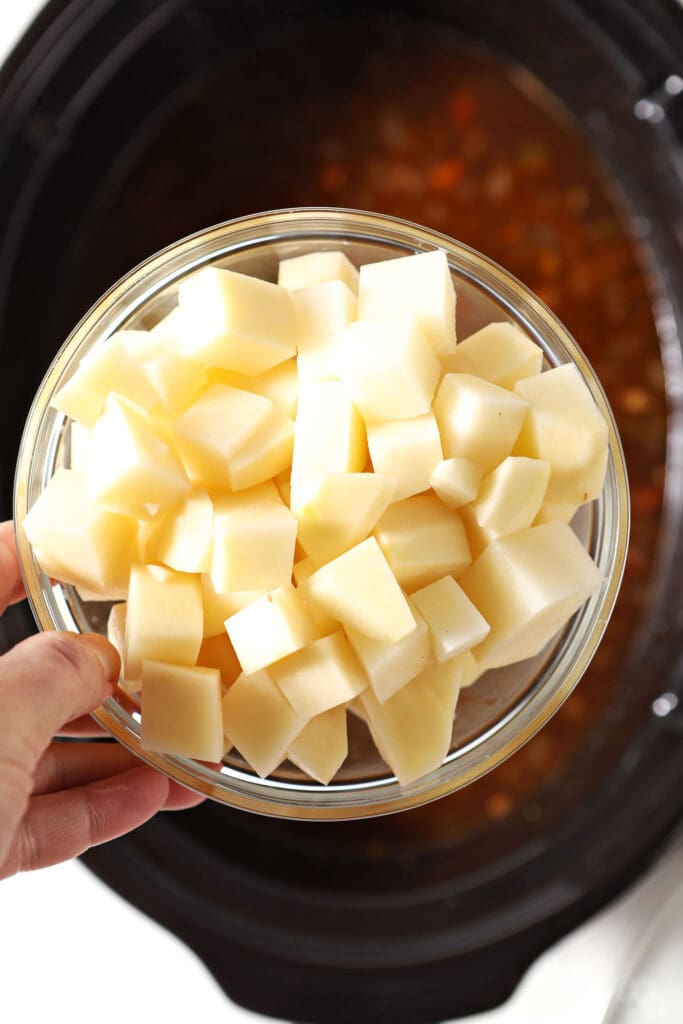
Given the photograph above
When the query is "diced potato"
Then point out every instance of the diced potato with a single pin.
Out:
(107, 368)
(500, 353)
(389, 666)
(132, 467)
(271, 628)
(215, 427)
(407, 451)
(389, 368)
(321, 748)
(283, 482)
(218, 652)
(280, 384)
(553, 511)
(526, 585)
(166, 333)
(323, 312)
(422, 541)
(359, 589)
(456, 481)
(185, 539)
(219, 607)
(478, 420)
(321, 676)
(565, 427)
(181, 711)
(79, 439)
(177, 382)
(163, 620)
(314, 268)
(116, 627)
(455, 625)
(235, 321)
(78, 542)
(413, 728)
(260, 721)
(267, 453)
(420, 286)
(471, 670)
(329, 437)
(324, 623)
(146, 345)
(510, 497)
(341, 512)
(253, 541)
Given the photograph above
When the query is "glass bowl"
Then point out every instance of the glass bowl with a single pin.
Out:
(506, 706)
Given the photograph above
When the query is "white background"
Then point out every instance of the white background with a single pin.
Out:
(67, 942)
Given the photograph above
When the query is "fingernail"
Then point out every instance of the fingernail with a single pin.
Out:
(106, 653)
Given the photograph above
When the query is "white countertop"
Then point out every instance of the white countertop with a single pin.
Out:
(62, 930)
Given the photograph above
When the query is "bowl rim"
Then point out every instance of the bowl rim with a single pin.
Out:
(580, 639)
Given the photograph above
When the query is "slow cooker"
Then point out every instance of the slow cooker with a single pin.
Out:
(545, 134)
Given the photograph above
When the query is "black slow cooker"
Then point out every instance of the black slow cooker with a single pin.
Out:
(125, 124)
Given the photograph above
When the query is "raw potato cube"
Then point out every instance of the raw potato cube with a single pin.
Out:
(267, 453)
(389, 666)
(219, 607)
(215, 427)
(321, 748)
(511, 496)
(406, 451)
(283, 482)
(422, 541)
(218, 652)
(477, 420)
(132, 467)
(341, 513)
(271, 628)
(106, 368)
(329, 437)
(143, 345)
(389, 368)
(420, 286)
(323, 675)
(177, 382)
(186, 533)
(551, 511)
(181, 711)
(454, 623)
(323, 312)
(79, 439)
(280, 384)
(456, 481)
(565, 427)
(527, 585)
(253, 541)
(235, 321)
(163, 620)
(78, 542)
(360, 590)
(413, 729)
(315, 267)
(260, 721)
(471, 670)
(500, 353)
(324, 623)
(166, 333)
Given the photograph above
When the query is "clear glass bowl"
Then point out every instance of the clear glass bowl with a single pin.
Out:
(505, 707)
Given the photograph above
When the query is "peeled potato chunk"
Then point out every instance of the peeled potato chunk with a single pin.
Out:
(271, 628)
(163, 620)
(320, 676)
(77, 541)
(323, 311)
(238, 322)
(267, 453)
(526, 585)
(422, 541)
(456, 481)
(324, 623)
(185, 537)
(259, 720)
(565, 428)
(478, 420)
(218, 652)
(510, 496)
(389, 368)
(500, 353)
(280, 384)
(413, 729)
(321, 748)
(417, 285)
(406, 451)
(341, 512)
(389, 666)
(177, 382)
(454, 623)
(253, 541)
(181, 710)
(360, 590)
(219, 607)
(316, 267)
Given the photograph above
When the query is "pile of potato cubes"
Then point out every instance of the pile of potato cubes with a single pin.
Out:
(310, 500)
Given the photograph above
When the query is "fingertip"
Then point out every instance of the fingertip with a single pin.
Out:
(106, 654)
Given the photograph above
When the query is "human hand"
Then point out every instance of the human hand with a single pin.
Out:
(59, 799)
